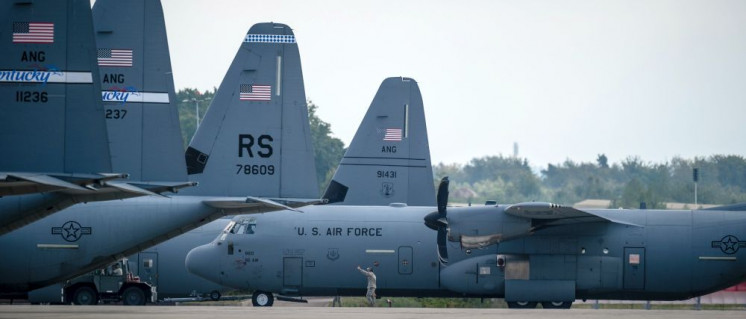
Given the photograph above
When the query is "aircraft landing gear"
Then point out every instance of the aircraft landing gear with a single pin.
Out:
(215, 295)
(556, 304)
(262, 299)
(522, 304)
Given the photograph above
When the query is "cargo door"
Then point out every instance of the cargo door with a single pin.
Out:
(292, 270)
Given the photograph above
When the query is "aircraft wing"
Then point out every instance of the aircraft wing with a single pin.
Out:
(256, 205)
(548, 214)
(542, 215)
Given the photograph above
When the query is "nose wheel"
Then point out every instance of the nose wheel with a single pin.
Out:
(262, 299)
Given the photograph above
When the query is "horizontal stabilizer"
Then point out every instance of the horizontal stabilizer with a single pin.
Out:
(548, 214)
(161, 187)
(43, 180)
(18, 183)
(255, 205)
(130, 188)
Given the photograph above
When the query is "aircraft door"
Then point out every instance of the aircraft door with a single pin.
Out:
(405, 260)
(292, 271)
(147, 267)
(634, 268)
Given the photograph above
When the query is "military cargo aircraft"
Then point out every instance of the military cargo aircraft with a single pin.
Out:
(527, 253)
(252, 127)
(52, 127)
(392, 171)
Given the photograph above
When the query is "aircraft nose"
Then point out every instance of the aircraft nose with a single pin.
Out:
(204, 261)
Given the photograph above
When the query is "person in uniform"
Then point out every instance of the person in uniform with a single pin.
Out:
(371, 295)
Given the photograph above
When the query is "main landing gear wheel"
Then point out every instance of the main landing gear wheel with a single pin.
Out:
(522, 304)
(262, 299)
(556, 304)
(84, 296)
(133, 296)
(215, 295)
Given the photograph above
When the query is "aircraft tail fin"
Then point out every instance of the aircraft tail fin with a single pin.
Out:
(389, 158)
(50, 120)
(138, 91)
(255, 138)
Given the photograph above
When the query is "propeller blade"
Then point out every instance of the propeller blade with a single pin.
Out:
(442, 196)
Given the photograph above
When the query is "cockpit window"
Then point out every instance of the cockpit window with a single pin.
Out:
(242, 226)
(226, 230)
(251, 226)
(229, 227)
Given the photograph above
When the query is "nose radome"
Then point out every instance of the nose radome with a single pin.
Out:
(203, 261)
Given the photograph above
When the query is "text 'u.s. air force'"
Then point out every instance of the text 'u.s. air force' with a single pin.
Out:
(341, 231)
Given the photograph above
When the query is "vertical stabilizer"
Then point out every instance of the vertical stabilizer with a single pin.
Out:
(388, 160)
(255, 138)
(138, 90)
(50, 117)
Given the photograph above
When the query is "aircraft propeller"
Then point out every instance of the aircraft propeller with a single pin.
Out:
(438, 220)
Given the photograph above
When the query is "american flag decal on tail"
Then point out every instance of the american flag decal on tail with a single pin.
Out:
(115, 57)
(392, 135)
(253, 92)
(33, 32)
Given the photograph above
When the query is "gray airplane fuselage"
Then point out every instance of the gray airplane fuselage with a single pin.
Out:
(89, 236)
(643, 255)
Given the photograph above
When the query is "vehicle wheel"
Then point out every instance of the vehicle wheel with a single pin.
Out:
(133, 296)
(556, 304)
(262, 299)
(85, 296)
(522, 304)
(215, 295)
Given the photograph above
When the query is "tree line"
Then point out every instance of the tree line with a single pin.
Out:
(722, 180)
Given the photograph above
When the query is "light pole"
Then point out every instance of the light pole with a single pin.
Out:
(196, 109)
(695, 177)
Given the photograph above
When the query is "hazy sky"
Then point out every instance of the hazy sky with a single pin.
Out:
(563, 79)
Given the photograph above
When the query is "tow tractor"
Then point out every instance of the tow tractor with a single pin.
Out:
(111, 284)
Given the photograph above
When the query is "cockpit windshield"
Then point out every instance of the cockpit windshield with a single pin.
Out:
(242, 226)
(229, 227)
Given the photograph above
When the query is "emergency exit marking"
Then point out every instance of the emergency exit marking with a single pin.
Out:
(634, 259)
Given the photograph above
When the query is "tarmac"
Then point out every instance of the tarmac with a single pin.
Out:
(229, 312)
